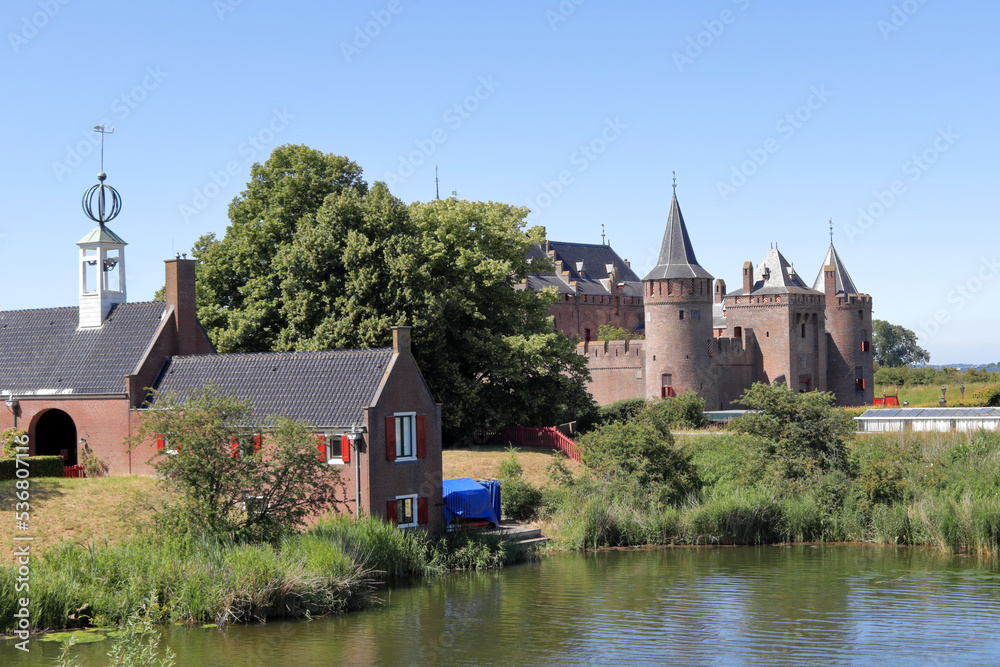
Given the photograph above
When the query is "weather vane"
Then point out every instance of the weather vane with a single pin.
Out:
(831, 231)
(104, 212)
(675, 182)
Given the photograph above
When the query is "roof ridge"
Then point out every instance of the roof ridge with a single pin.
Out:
(231, 355)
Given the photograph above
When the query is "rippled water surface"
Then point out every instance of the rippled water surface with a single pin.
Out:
(746, 605)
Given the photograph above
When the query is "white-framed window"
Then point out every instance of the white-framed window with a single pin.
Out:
(406, 511)
(406, 436)
(334, 449)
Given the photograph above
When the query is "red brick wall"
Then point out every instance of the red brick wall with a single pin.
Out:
(403, 390)
(616, 369)
(573, 315)
(106, 423)
(849, 322)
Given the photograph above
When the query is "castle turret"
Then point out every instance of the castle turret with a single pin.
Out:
(850, 359)
(678, 298)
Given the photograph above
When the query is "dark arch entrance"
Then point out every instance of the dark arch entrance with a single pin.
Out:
(55, 433)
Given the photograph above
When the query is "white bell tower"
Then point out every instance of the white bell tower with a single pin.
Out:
(102, 275)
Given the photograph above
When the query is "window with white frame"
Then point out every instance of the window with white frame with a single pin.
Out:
(406, 511)
(334, 449)
(406, 436)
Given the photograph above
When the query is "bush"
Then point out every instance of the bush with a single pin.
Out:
(39, 466)
(519, 500)
(10, 438)
(686, 410)
(637, 453)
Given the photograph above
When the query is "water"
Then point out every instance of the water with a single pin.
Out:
(830, 605)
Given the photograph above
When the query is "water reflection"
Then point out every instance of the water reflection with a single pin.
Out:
(744, 605)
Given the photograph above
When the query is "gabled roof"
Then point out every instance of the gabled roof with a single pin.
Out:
(322, 389)
(43, 352)
(844, 283)
(677, 258)
(587, 265)
(775, 275)
(101, 234)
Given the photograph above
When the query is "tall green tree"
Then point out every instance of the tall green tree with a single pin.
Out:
(896, 345)
(337, 263)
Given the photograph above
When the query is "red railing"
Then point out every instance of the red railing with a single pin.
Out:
(73, 471)
(541, 436)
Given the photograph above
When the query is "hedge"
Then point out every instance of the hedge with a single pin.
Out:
(38, 466)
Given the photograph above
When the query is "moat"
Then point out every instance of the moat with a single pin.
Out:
(794, 605)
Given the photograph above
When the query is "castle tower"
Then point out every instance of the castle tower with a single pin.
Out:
(102, 257)
(787, 318)
(850, 358)
(678, 298)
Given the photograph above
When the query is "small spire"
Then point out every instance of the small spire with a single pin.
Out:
(602, 234)
(437, 185)
(831, 231)
(675, 183)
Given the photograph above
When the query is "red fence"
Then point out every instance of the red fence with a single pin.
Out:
(543, 436)
(73, 471)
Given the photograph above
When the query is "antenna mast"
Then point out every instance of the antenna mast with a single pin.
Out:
(437, 185)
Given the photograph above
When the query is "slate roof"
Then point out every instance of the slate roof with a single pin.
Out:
(587, 264)
(43, 352)
(677, 258)
(844, 283)
(323, 389)
(776, 276)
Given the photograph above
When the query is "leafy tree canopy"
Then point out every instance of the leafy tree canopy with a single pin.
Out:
(896, 345)
(314, 258)
(807, 433)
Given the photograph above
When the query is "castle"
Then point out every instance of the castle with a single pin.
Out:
(698, 336)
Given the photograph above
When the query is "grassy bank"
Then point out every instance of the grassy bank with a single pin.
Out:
(927, 396)
(337, 565)
(941, 490)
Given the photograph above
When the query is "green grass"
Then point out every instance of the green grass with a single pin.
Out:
(928, 395)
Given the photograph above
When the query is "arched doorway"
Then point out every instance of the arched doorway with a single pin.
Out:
(55, 433)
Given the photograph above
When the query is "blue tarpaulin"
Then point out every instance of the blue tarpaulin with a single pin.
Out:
(466, 498)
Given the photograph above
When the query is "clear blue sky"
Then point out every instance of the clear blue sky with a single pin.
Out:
(776, 117)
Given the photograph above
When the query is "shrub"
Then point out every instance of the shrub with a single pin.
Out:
(10, 438)
(686, 410)
(39, 466)
(637, 453)
(519, 500)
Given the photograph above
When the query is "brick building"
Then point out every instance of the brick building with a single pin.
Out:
(82, 375)
(698, 337)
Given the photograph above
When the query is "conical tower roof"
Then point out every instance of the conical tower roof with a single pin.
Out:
(677, 258)
(844, 283)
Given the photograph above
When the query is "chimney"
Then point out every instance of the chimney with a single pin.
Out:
(830, 280)
(401, 340)
(747, 277)
(720, 290)
(180, 293)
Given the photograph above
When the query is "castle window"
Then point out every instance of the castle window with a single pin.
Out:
(803, 330)
(859, 378)
(681, 313)
(738, 332)
(696, 315)
(586, 335)
(861, 314)
(865, 346)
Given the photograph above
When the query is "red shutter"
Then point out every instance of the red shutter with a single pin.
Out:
(321, 446)
(234, 448)
(256, 442)
(390, 512)
(160, 442)
(345, 448)
(421, 436)
(390, 438)
(421, 509)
